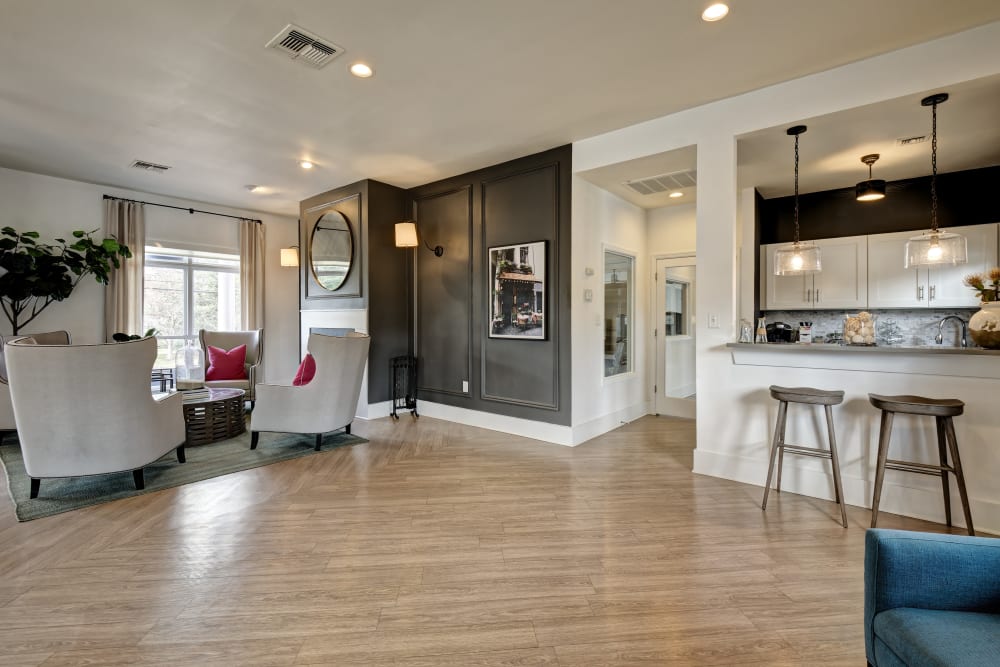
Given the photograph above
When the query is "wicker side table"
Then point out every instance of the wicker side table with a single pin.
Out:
(218, 417)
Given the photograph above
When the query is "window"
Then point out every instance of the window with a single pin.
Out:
(619, 279)
(186, 291)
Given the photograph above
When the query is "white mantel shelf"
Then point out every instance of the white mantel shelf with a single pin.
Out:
(935, 361)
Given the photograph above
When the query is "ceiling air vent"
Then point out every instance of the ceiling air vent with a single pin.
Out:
(149, 166)
(304, 46)
(909, 141)
(664, 182)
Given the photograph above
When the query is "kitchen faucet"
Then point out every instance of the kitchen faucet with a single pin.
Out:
(965, 330)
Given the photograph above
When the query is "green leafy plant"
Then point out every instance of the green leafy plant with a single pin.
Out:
(120, 337)
(37, 274)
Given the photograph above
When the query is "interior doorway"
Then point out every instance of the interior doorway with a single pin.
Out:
(675, 336)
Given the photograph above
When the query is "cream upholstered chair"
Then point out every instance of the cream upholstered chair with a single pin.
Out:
(6, 408)
(227, 340)
(327, 403)
(88, 409)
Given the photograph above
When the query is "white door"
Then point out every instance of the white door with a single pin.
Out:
(843, 282)
(675, 337)
(945, 288)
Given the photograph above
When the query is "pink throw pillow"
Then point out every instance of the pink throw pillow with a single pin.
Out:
(306, 372)
(226, 364)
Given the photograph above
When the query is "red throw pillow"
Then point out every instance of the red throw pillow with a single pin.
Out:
(226, 364)
(306, 372)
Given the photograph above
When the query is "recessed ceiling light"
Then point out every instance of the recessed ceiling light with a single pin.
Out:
(675, 194)
(715, 12)
(306, 164)
(254, 188)
(362, 71)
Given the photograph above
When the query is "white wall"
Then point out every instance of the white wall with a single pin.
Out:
(672, 230)
(55, 207)
(601, 219)
(733, 422)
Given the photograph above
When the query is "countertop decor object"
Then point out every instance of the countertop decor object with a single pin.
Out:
(984, 326)
(935, 247)
(859, 329)
(798, 258)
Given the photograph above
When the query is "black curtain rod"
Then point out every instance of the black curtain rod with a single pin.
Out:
(192, 211)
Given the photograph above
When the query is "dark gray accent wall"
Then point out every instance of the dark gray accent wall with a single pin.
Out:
(444, 290)
(524, 200)
(964, 198)
(379, 279)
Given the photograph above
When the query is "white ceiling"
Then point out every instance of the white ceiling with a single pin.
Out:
(830, 151)
(87, 87)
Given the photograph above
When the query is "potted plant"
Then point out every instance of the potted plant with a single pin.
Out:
(37, 274)
(984, 326)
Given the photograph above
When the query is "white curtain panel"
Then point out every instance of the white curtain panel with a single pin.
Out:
(251, 275)
(125, 221)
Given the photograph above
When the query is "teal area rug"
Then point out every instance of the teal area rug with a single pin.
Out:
(203, 462)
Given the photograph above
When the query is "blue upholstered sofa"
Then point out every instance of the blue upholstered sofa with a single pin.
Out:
(931, 599)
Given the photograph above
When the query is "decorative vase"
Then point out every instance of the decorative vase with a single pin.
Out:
(984, 327)
(190, 368)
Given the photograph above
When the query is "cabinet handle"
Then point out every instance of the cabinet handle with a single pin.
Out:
(808, 294)
(932, 294)
(920, 293)
(817, 295)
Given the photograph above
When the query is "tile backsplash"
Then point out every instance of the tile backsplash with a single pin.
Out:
(917, 327)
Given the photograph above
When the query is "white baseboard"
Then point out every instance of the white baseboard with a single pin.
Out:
(919, 503)
(555, 433)
(595, 427)
(374, 410)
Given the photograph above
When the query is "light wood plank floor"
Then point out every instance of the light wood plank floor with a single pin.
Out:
(439, 544)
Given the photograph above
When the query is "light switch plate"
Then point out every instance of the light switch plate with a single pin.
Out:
(588, 295)
(588, 271)
(713, 321)
(465, 386)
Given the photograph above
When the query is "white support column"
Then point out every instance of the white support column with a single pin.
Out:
(717, 277)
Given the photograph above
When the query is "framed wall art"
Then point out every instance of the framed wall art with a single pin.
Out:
(517, 306)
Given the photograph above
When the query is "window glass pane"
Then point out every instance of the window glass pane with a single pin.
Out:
(163, 301)
(186, 291)
(166, 350)
(619, 285)
(216, 300)
(675, 322)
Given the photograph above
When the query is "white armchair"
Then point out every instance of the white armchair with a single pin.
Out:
(6, 407)
(227, 340)
(327, 403)
(88, 409)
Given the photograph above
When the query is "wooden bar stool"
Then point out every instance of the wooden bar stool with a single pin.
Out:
(942, 409)
(809, 396)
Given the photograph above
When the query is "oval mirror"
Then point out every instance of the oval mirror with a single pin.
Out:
(331, 250)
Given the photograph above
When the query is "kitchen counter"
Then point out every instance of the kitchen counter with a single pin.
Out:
(933, 360)
(853, 349)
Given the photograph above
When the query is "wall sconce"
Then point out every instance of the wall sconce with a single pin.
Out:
(290, 256)
(406, 237)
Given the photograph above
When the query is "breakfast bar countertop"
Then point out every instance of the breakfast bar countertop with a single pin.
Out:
(849, 349)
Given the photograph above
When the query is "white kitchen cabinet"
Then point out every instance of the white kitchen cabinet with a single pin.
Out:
(841, 284)
(892, 286)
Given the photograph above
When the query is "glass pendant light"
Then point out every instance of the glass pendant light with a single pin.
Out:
(935, 247)
(874, 188)
(799, 257)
